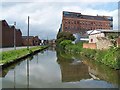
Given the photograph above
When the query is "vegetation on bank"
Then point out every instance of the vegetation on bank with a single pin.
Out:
(108, 57)
(61, 36)
(9, 56)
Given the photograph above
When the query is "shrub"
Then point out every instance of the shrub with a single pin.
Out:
(65, 42)
(61, 36)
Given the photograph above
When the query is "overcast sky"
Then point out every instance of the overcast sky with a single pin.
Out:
(46, 15)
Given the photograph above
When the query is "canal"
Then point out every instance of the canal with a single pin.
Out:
(56, 69)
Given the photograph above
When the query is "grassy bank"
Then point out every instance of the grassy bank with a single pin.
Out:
(10, 56)
(110, 57)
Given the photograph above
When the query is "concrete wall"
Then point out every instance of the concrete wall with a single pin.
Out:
(103, 43)
(89, 45)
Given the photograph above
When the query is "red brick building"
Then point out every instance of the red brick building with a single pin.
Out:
(33, 41)
(7, 38)
(77, 23)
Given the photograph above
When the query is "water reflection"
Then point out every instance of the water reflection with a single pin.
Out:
(57, 69)
(27, 73)
(103, 72)
(74, 68)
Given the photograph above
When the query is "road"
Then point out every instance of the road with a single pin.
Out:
(12, 48)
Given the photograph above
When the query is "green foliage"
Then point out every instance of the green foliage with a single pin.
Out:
(113, 37)
(65, 42)
(110, 57)
(64, 36)
(9, 56)
(89, 53)
(76, 48)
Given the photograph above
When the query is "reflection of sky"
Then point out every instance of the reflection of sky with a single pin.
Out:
(44, 72)
(90, 83)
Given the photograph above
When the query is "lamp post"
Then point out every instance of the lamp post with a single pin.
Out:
(14, 36)
(28, 35)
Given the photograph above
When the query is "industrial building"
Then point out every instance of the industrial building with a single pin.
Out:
(7, 35)
(78, 23)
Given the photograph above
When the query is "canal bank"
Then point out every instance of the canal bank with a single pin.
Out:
(13, 56)
(109, 57)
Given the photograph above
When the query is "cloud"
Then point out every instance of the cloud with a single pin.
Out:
(45, 18)
(90, 1)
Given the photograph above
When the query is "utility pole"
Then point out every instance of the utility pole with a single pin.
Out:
(14, 36)
(28, 35)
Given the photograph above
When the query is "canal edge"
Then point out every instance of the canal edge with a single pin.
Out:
(2, 66)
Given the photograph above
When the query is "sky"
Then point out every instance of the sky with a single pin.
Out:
(46, 15)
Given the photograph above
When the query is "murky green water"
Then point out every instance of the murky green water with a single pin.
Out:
(56, 69)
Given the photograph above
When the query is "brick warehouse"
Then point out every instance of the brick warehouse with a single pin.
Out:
(33, 40)
(77, 23)
(7, 39)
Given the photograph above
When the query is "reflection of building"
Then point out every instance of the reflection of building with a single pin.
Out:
(78, 23)
(33, 41)
(73, 72)
(51, 42)
(102, 72)
(8, 35)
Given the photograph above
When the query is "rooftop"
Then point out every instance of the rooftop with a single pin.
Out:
(79, 15)
(90, 32)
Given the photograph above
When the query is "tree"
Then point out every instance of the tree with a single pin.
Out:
(64, 36)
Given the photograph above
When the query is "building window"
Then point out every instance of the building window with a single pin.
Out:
(74, 22)
(65, 28)
(69, 22)
(91, 40)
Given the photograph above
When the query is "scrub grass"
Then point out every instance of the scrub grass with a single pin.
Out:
(9, 56)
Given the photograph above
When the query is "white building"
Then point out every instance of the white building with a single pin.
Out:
(99, 38)
(95, 34)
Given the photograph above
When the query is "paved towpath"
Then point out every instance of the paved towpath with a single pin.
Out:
(12, 48)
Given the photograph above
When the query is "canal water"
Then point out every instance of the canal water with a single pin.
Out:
(56, 69)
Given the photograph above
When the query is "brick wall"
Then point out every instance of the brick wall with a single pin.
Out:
(33, 41)
(89, 45)
(25, 41)
(0, 34)
(7, 38)
(18, 38)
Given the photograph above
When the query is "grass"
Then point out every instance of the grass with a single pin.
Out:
(110, 57)
(9, 56)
